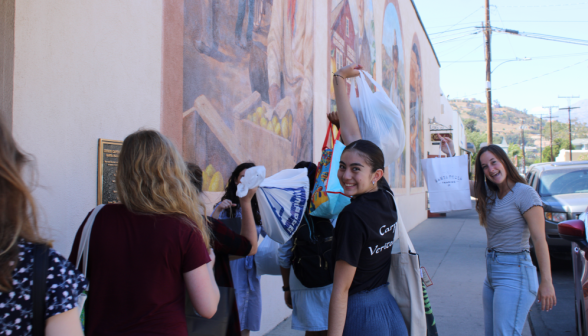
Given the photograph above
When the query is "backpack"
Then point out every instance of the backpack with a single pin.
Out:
(311, 252)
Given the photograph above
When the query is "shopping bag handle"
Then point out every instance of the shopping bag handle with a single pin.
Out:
(330, 132)
(406, 245)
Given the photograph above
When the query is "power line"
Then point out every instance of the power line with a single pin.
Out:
(532, 21)
(509, 39)
(455, 38)
(541, 36)
(474, 12)
(527, 80)
(554, 5)
(478, 47)
(533, 57)
(451, 30)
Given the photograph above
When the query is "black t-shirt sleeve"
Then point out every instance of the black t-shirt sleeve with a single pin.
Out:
(349, 238)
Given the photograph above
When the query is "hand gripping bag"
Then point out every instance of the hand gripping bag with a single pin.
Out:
(448, 183)
(327, 199)
(282, 201)
(379, 119)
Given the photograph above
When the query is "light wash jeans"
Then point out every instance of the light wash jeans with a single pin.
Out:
(510, 289)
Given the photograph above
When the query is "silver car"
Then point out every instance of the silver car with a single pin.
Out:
(563, 188)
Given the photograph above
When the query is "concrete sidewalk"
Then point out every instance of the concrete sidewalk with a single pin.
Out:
(452, 249)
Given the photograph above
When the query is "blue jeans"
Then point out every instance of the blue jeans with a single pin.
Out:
(510, 289)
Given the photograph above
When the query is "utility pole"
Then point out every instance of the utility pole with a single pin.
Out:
(487, 33)
(541, 137)
(569, 108)
(541, 116)
(523, 145)
(550, 129)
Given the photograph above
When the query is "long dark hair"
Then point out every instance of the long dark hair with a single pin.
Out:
(311, 178)
(372, 154)
(481, 181)
(231, 192)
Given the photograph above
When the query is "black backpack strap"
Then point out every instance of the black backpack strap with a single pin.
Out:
(40, 265)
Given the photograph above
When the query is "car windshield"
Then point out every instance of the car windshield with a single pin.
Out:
(564, 181)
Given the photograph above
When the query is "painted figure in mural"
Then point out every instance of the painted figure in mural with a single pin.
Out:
(393, 80)
(231, 115)
(352, 38)
(416, 116)
(250, 4)
(290, 67)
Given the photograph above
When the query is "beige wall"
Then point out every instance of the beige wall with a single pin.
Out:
(6, 59)
(83, 70)
(412, 201)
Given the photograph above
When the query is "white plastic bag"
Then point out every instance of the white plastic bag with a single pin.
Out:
(252, 178)
(447, 183)
(282, 202)
(379, 119)
(266, 258)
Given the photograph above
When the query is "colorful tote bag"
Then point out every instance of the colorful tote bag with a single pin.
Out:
(328, 199)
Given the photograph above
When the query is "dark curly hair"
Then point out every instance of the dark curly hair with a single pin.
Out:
(231, 192)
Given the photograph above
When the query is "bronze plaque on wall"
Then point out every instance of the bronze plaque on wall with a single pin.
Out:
(108, 151)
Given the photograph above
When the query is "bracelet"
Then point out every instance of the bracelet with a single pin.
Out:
(286, 288)
(336, 75)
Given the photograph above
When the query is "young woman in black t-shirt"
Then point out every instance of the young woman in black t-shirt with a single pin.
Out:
(360, 301)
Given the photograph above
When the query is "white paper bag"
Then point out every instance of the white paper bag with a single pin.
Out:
(282, 201)
(448, 183)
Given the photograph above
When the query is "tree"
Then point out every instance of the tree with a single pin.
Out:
(514, 149)
(470, 124)
(558, 144)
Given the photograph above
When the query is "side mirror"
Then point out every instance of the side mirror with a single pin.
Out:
(573, 230)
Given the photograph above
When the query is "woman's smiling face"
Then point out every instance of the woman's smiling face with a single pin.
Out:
(355, 174)
(493, 168)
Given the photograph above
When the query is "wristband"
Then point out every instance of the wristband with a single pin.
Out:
(286, 288)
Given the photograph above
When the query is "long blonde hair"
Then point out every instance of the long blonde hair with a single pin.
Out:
(17, 207)
(152, 178)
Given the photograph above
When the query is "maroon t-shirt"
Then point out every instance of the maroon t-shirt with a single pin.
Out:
(135, 268)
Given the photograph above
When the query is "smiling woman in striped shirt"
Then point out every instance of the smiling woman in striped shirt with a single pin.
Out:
(511, 211)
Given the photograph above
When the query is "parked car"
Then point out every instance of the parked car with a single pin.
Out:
(574, 231)
(563, 188)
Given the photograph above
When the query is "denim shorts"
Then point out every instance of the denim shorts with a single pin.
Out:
(510, 289)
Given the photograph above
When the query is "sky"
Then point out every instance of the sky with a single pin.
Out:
(554, 63)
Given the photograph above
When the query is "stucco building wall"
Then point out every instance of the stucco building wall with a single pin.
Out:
(83, 70)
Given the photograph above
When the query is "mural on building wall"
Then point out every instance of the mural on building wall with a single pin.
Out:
(393, 79)
(416, 115)
(248, 85)
(353, 38)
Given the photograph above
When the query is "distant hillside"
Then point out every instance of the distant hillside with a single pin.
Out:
(506, 122)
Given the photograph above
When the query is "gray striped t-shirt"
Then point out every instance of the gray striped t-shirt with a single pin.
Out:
(506, 227)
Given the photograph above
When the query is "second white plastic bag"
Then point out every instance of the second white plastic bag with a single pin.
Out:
(379, 119)
(266, 258)
(282, 201)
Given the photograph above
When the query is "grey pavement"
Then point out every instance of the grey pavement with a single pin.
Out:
(452, 250)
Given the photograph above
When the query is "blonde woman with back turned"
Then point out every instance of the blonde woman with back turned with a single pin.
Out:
(511, 212)
(19, 236)
(147, 250)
